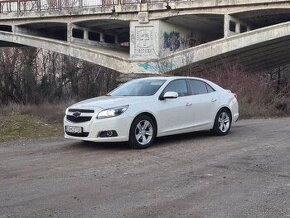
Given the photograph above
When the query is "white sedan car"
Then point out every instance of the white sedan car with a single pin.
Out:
(143, 109)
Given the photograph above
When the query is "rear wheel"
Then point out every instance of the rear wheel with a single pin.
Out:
(223, 122)
(142, 132)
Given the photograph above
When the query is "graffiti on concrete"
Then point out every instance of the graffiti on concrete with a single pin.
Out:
(157, 67)
(171, 40)
(174, 40)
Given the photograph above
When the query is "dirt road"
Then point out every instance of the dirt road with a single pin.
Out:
(244, 174)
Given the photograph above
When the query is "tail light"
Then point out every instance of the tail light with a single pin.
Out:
(235, 95)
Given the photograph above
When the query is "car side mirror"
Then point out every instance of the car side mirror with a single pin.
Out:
(170, 95)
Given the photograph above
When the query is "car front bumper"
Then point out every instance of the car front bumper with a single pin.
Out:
(92, 129)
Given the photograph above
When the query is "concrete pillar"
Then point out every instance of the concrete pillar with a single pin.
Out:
(102, 37)
(18, 6)
(116, 39)
(226, 25)
(69, 32)
(59, 4)
(238, 27)
(86, 35)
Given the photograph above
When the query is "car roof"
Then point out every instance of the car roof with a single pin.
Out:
(170, 78)
(173, 77)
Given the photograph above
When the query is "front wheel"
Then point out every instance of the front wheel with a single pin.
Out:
(223, 121)
(142, 132)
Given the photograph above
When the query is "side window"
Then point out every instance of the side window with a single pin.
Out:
(197, 87)
(209, 88)
(178, 86)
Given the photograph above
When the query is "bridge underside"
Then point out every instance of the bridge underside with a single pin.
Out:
(257, 40)
(257, 50)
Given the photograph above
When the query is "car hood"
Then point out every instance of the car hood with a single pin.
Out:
(105, 102)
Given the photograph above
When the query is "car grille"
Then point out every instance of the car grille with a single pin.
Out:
(81, 110)
(78, 119)
(84, 134)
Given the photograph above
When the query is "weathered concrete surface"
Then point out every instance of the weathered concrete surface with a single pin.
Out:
(219, 50)
(157, 39)
(158, 9)
(116, 60)
(244, 174)
(199, 55)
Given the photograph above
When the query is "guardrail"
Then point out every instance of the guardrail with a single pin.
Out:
(7, 6)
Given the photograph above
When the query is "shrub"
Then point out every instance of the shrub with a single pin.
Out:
(257, 93)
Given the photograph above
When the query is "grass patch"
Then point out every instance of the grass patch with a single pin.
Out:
(22, 122)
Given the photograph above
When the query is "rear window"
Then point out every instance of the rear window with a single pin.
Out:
(209, 88)
(197, 87)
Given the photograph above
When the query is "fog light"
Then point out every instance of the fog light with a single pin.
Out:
(107, 134)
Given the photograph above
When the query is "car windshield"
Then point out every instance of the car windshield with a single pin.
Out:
(144, 87)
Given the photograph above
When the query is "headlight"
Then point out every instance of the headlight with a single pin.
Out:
(112, 112)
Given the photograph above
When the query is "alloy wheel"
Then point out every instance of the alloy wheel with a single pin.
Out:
(144, 132)
(224, 122)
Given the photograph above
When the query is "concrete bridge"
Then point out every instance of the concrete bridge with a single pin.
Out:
(141, 36)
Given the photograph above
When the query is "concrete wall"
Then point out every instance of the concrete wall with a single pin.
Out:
(144, 40)
(173, 38)
(157, 38)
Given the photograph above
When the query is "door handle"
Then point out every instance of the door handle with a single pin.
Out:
(213, 100)
(188, 104)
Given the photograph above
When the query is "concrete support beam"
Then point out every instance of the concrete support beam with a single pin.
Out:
(108, 58)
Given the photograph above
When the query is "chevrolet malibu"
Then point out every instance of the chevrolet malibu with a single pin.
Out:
(143, 109)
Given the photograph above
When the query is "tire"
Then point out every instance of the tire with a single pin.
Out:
(142, 132)
(222, 123)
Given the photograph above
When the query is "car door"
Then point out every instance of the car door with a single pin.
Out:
(172, 114)
(203, 103)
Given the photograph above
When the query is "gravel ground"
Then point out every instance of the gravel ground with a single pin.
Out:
(244, 174)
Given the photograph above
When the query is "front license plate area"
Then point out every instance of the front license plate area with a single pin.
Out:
(74, 129)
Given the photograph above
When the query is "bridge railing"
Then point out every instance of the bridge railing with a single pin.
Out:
(7, 6)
